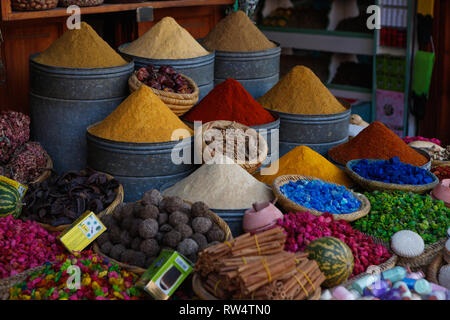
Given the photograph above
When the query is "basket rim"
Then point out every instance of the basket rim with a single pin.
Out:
(117, 200)
(279, 181)
(47, 171)
(138, 270)
(428, 255)
(202, 293)
(181, 96)
(439, 163)
(388, 186)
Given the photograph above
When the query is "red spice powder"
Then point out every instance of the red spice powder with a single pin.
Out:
(230, 101)
(376, 142)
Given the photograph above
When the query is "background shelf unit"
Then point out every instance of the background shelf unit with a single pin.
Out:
(352, 43)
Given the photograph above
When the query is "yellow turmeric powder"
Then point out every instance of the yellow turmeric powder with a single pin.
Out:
(80, 48)
(305, 161)
(301, 92)
(141, 118)
(166, 40)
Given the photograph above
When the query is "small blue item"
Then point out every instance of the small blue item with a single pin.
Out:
(410, 283)
(321, 196)
(392, 171)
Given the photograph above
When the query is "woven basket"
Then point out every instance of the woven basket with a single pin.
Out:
(371, 185)
(177, 102)
(292, 206)
(7, 283)
(108, 210)
(439, 163)
(80, 3)
(430, 252)
(201, 147)
(33, 5)
(138, 270)
(47, 171)
(434, 267)
(203, 294)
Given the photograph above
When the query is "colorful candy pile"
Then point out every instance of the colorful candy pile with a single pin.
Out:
(321, 196)
(99, 280)
(392, 212)
(392, 171)
(25, 245)
(302, 228)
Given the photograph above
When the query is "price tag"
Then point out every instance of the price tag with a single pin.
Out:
(82, 232)
(22, 189)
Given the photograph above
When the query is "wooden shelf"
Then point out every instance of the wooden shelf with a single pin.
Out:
(9, 15)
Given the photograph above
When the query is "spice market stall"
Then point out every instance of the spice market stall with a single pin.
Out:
(160, 177)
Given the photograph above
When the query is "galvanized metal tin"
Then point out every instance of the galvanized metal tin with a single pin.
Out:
(200, 69)
(64, 101)
(140, 166)
(272, 137)
(257, 71)
(319, 132)
(233, 218)
(79, 84)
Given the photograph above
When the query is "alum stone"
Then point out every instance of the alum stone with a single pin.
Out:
(408, 244)
(222, 186)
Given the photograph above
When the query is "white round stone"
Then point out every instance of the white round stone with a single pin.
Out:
(407, 243)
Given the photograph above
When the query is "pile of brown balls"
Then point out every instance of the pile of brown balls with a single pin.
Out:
(138, 231)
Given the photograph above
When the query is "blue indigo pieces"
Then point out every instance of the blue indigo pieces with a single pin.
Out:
(392, 171)
(321, 196)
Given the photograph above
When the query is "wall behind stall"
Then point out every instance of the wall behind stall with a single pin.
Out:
(437, 118)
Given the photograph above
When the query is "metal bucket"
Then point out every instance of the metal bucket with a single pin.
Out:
(266, 130)
(319, 132)
(233, 218)
(257, 71)
(200, 69)
(139, 166)
(64, 101)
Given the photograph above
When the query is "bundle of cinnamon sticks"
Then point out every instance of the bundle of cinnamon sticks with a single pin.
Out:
(257, 267)
(261, 244)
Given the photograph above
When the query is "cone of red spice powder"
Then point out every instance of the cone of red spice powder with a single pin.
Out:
(230, 101)
(376, 142)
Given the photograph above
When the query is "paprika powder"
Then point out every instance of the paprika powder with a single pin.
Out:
(376, 142)
(230, 101)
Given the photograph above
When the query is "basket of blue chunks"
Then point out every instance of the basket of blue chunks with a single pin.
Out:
(390, 175)
(297, 193)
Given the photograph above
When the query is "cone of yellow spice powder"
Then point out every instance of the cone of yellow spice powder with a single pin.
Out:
(141, 118)
(305, 161)
(301, 92)
(166, 40)
(80, 48)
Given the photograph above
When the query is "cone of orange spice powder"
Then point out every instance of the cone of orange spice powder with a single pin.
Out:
(376, 142)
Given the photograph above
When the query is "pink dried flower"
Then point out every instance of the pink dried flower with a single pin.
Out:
(301, 228)
(25, 245)
(14, 131)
